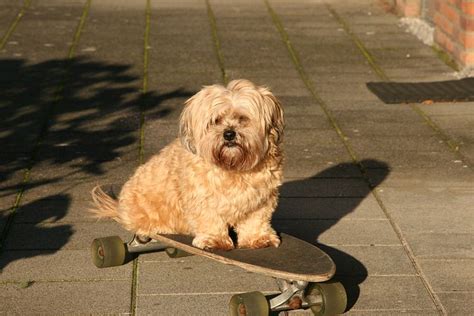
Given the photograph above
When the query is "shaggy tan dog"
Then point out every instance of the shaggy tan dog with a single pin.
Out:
(223, 171)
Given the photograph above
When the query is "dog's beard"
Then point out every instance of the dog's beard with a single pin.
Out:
(233, 156)
(238, 155)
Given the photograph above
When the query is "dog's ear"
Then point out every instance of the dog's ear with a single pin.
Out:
(193, 118)
(275, 114)
(185, 124)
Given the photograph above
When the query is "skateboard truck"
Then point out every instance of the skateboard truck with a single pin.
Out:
(324, 299)
(291, 297)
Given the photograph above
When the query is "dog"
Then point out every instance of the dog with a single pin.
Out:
(222, 172)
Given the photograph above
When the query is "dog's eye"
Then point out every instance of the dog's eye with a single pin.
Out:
(217, 120)
(243, 119)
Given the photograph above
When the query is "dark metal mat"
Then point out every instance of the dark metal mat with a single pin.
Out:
(424, 92)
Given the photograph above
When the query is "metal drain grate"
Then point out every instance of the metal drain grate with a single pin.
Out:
(420, 92)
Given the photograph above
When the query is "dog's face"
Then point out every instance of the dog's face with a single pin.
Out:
(233, 127)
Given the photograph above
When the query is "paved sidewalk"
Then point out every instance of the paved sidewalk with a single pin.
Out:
(90, 89)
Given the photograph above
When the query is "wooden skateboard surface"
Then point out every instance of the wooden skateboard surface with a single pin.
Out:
(295, 259)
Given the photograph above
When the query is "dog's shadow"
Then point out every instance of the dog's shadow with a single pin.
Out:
(310, 207)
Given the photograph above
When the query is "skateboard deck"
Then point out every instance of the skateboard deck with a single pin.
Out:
(295, 259)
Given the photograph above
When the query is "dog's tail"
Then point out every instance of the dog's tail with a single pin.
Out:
(104, 205)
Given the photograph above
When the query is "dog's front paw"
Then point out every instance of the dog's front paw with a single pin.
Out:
(209, 242)
(260, 241)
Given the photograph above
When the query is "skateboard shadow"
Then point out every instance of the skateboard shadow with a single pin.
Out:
(310, 209)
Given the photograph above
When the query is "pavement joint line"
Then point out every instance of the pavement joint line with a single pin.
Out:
(375, 275)
(44, 128)
(322, 197)
(217, 43)
(455, 291)
(335, 219)
(20, 282)
(402, 310)
(305, 78)
(203, 293)
(451, 143)
(13, 25)
(365, 245)
(355, 39)
(141, 145)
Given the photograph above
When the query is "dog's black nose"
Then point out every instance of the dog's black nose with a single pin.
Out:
(229, 135)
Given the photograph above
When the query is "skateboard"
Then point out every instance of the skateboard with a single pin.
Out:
(302, 270)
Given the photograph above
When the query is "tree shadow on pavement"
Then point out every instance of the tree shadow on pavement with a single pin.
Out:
(30, 239)
(308, 217)
(71, 120)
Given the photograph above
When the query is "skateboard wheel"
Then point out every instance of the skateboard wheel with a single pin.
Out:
(176, 253)
(108, 252)
(249, 304)
(333, 298)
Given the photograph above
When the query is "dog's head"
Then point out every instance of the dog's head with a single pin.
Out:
(234, 127)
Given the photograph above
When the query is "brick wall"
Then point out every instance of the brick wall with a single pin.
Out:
(408, 8)
(454, 31)
(453, 21)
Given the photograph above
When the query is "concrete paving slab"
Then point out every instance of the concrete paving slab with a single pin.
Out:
(328, 208)
(325, 188)
(66, 298)
(8, 12)
(302, 165)
(374, 261)
(66, 236)
(340, 232)
(408, 161)
(439, 245)
(451, 275)
(199, 275)
(306, 122)
(63, 190)
(322, 138)
(191, 304)
(436, 203)
(58, 18)
(453, 174)
(69, 265)
(455, 302)
(60, 208)
(12, 178)
(392, 294)
(389, 143)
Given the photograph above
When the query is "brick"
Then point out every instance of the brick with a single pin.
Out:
(467, 58)
(467, 23)
(450, 12)
(409, 8)
(467, 8)
(444, 41)
(467, 39)
(443, 23)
